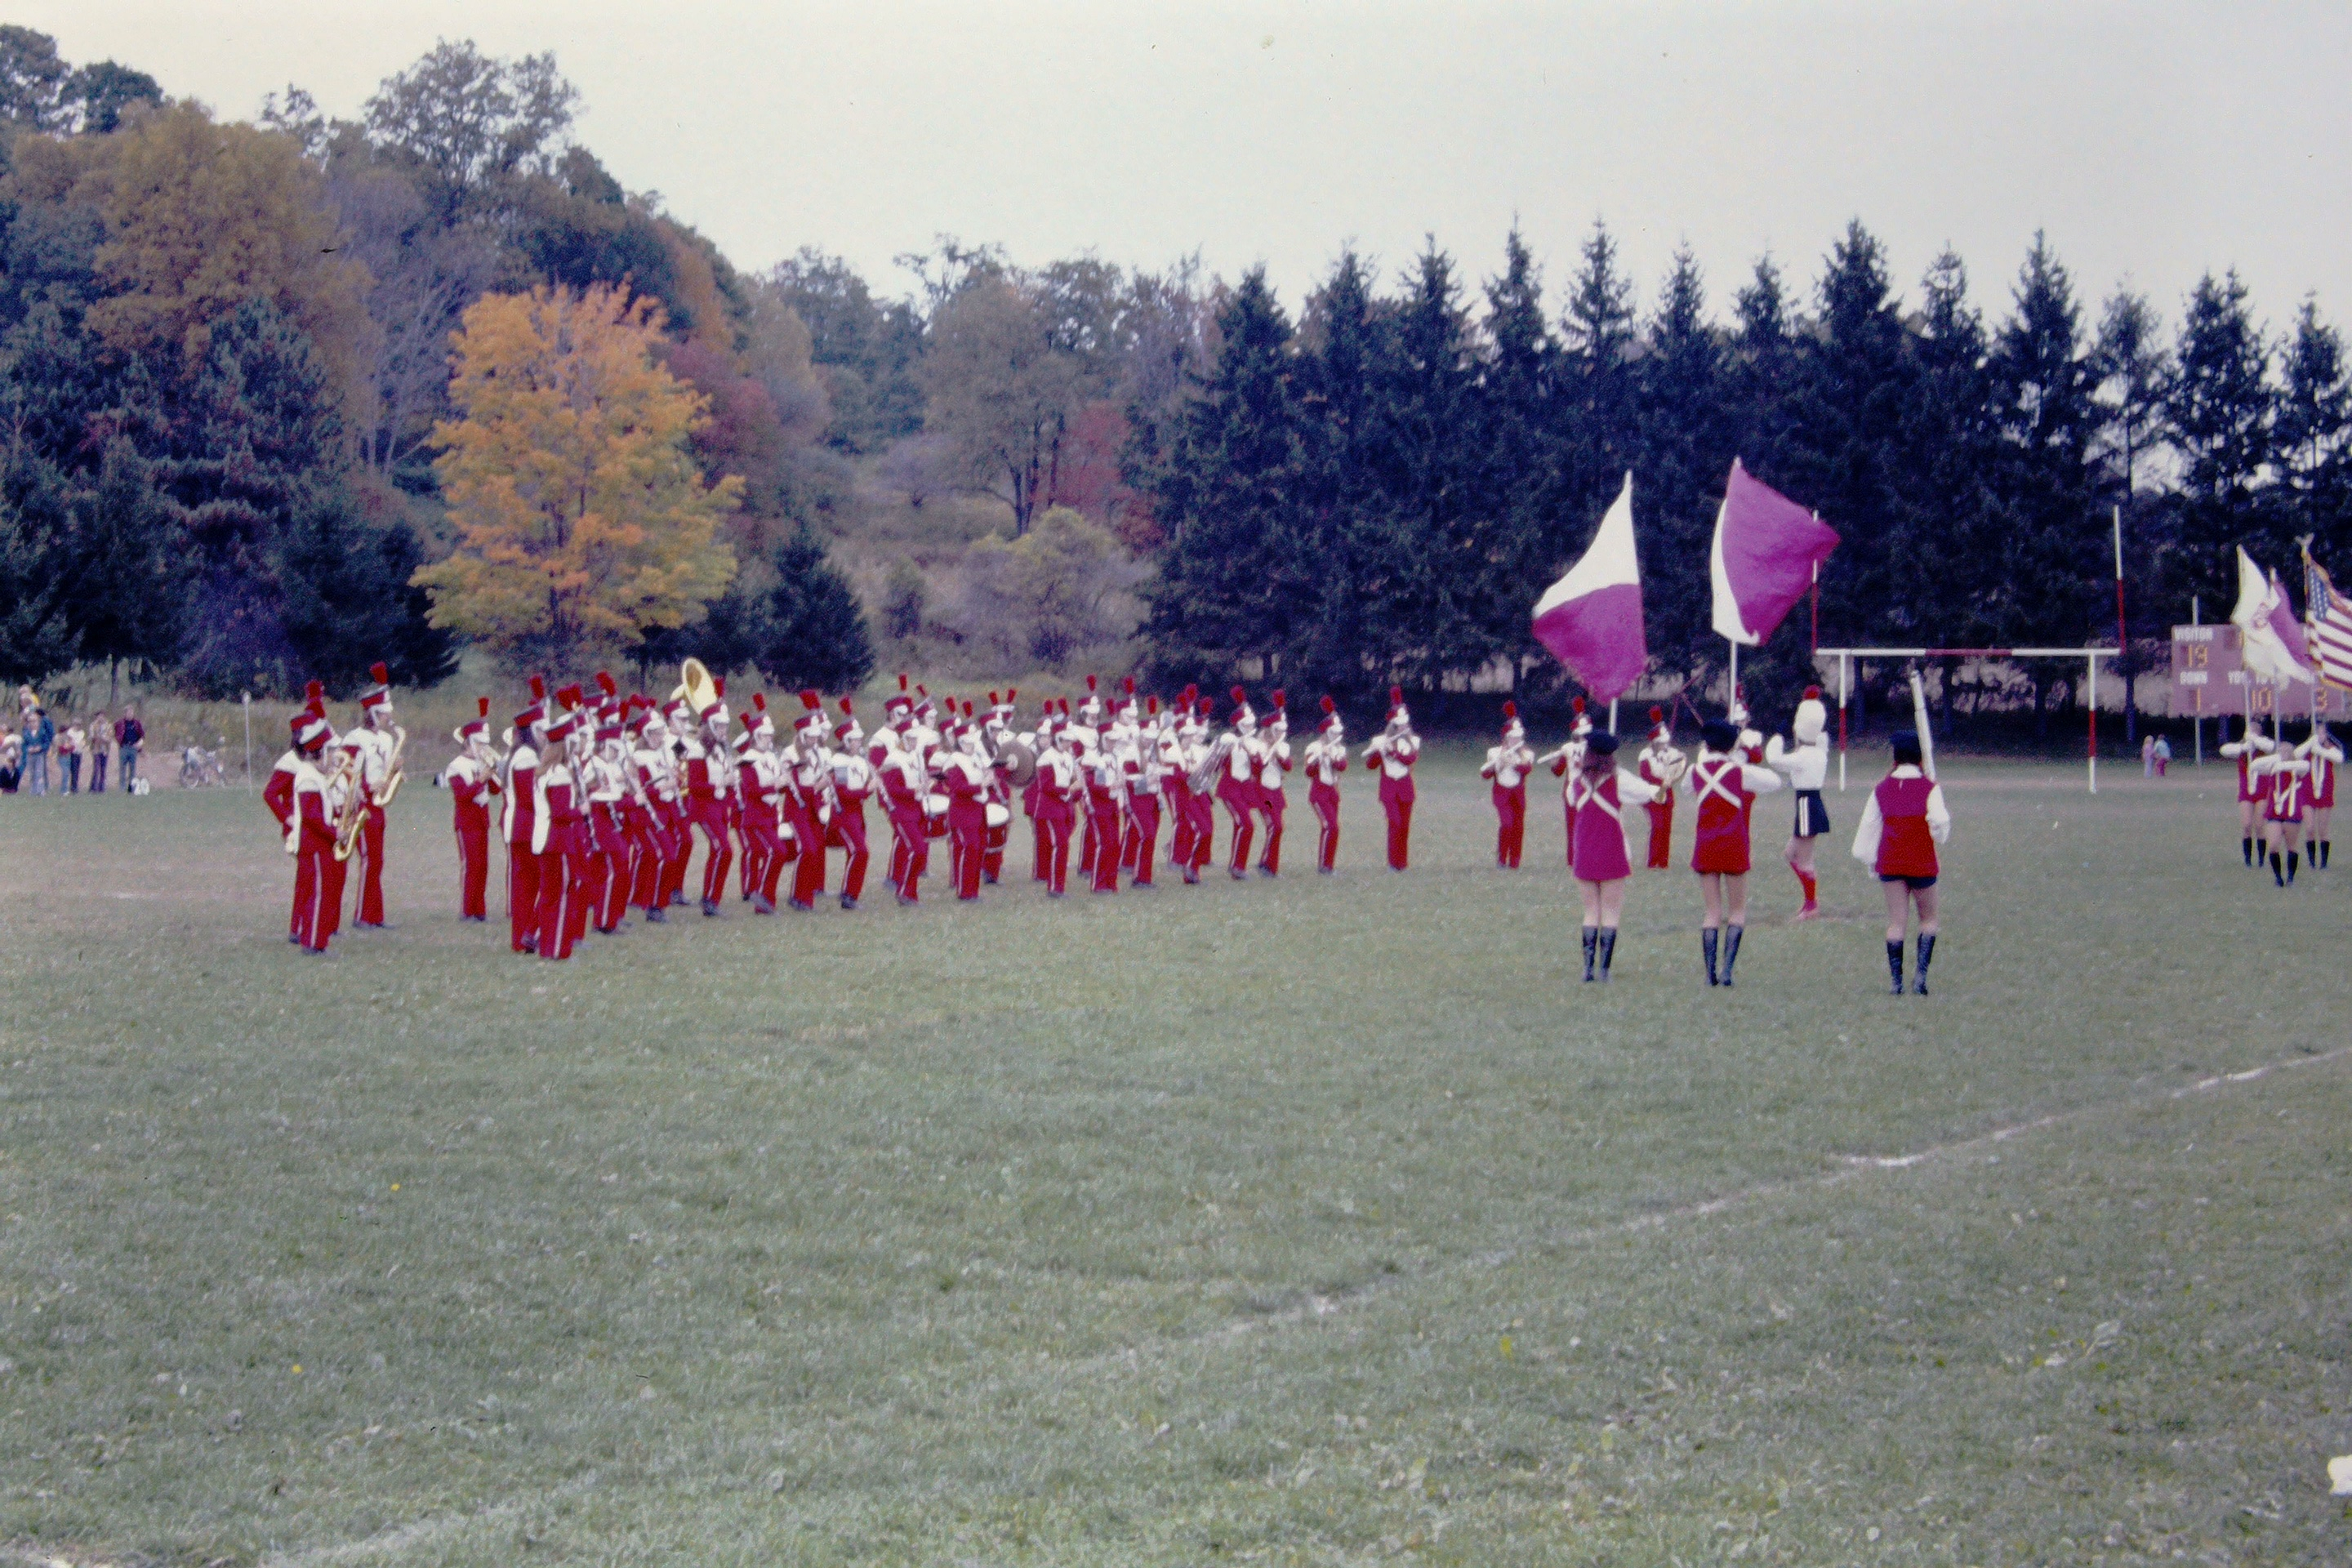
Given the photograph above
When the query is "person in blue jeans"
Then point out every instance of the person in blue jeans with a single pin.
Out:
(39, 736)
(130, 734)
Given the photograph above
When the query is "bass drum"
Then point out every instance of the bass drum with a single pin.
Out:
(935, 816)
(999, 816)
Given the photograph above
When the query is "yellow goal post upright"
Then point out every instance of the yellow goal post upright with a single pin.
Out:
(1847, 657)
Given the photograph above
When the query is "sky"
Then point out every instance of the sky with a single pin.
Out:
(2151, 141)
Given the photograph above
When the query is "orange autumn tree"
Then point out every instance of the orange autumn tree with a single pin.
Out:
(580, 516)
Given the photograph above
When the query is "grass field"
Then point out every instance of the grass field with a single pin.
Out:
(1308, 1222)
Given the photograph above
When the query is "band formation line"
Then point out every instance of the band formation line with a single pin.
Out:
(598, 801)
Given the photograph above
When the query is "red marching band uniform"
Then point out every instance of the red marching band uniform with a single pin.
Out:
(473, 781)
(1506, 770)
(518, 826)
(1564, 762)
(1392, 755)
(1661, 763)
(1327, 759)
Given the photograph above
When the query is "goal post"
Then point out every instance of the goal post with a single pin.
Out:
(1848, 658)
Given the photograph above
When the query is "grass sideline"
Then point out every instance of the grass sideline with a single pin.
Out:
(1299, 1222)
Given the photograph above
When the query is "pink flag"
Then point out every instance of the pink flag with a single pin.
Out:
(1592, 618)
(1766, 547)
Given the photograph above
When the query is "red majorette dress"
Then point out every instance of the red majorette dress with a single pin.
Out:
(1907, 847)
(1726, 788)
(1600, 846)
(2320, 783)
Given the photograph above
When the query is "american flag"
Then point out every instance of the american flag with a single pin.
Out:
(2330, 615)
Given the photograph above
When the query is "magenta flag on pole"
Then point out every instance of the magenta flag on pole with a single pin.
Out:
(1766, 547)
(1592, 618)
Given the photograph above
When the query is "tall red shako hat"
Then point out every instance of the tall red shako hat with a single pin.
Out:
(1512, 727)
(476, 728)
(1581, 725)
(811, 709)
(1281, 708)
(760, 721)
(309, 725)
(848, 725)
(897, 702)
(537, 712)
(612, 692)
(1241, 714)
(1661, 730)
(380, 694)
(1330, 725)
(1396, 705)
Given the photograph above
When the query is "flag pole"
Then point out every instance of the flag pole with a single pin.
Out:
(1612, 715)
(2197, 721)
(2123, 645)
(2094, 723)
(1843, 668)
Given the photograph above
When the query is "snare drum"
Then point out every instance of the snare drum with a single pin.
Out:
(935, 816)
(999, 816)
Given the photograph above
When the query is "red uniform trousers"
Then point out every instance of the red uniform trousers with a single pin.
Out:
(1180, 821)
(808, 874)
(1054, 820)
(562, 887)
(1324, 800)
(1102, 823)
(1086, 846)
(1510, 825)
(1662, 833)
(371, 852)
(1569, 807)
(1143, 844)
(763, 849)
(1041, 852)
(1396, 799)
(910, 846)
(967, 839)
(710, 815)
(735, 822)
(608, 865)
(677, 849)
(1240, 806)
(314, 860)
(522, 888)
(1272, 804)
(473, 830)
(1204, 829)
(648, 855)
(848, 830)
(278, 794)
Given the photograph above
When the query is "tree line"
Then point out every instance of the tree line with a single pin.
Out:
(237, 450)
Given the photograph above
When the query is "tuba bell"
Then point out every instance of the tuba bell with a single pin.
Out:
(695, 687)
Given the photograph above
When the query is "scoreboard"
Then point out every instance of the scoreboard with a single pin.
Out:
(2209, 681)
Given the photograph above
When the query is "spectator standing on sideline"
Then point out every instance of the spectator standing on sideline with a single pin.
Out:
(12, 761)
(2163, 755)
(129, 736)
(70, 748)
(100, 744)
(39, 736)
(2148, 755)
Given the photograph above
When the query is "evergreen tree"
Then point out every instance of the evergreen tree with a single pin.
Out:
(345, 598)
(2134, 370)
(2219, 421)
(1232, 490)
(2314, 419)
(1341, 522)
(1516, 438)
(1684, 455)
(1598, 391)
(128, 563)
(812, 632)
(1761, 394)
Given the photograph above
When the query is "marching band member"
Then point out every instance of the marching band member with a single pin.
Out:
(519, 822)
(377, 741)
(1902, 822)
(278, 794)
(1060, 786)
(1600, 791)
(605, 778)
(1176, 789)
(1084, 736)
(1807, 763)
(1663, 763)
(1327, 759)
(853, 781)
(2281, 775)
(1397, 749)
(1204, 801)
(648, 808)
(761, 781)
(905, 781)
(1105, 806)
(1121, 740)
(312, 836)
(966, 774)
(677, 805)
(2320, 749)
(1564, 761)
(473, 780)
(560, 837)
(1273, 753)
(995, 734)
(1724, 786)
(808, 807)
(1237, 782)
(706, 775)
(1148, 761)
(2249, 746)
(1506, 767)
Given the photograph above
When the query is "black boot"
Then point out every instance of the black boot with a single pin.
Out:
(2278, 869)
(1592, 945)
(1895, 965)
(2319, 854)
(1706, 945)
(1731, 935)
(2290, 857)
(1927, 951)
(1608, 951)
(2246, 848)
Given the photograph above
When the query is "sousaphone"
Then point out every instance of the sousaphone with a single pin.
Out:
(695, 687)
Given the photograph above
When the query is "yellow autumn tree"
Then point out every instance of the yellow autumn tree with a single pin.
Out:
(582, 519)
